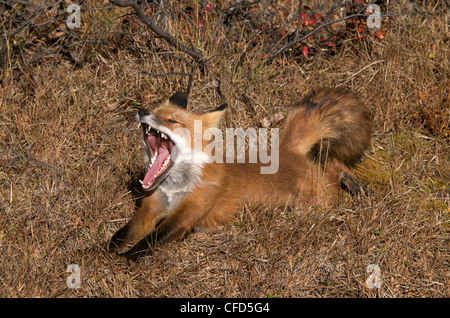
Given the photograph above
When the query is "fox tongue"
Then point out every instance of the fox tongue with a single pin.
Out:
(154, 169)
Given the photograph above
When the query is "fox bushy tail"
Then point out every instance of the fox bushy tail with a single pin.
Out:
(328, 123)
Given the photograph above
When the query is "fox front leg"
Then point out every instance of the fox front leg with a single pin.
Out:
(189, 213)
(151, 212)
(169, 230)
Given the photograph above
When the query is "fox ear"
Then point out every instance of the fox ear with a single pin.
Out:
(179, 99)
(214, 117)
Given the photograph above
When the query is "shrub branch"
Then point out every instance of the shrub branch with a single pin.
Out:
(156, 29)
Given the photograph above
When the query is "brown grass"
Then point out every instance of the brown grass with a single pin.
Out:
(70, 156)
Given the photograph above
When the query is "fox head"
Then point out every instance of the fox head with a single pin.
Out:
(173, 142)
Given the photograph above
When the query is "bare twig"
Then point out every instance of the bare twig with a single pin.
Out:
(299, 19)
(297, 40)
(156, 29)
(189, 75)
(193, 68)
(30, 21)
(163, 74)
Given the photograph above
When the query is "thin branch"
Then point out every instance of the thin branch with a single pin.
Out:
(299, 19)
(31, 20)
(193, 68)
(156, 29)
(297, 40)
(162, 74)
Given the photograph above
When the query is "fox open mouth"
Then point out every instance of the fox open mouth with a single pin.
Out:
(161, 153)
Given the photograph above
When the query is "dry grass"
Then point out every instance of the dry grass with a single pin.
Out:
(70, 157)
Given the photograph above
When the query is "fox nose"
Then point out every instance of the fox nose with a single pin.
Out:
(143, 112)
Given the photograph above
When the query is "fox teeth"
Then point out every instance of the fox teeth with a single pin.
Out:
(153, 158)
(152, 131)
(164, 165)
(166, 162)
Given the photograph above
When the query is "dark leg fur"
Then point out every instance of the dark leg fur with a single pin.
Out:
(118, 239)
(166, 232)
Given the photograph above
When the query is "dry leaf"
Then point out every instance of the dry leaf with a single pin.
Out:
(276, 118)
(265, 123)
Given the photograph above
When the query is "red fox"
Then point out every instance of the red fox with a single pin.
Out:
(324, 134)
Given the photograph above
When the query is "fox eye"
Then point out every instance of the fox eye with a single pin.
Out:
(173, 121)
